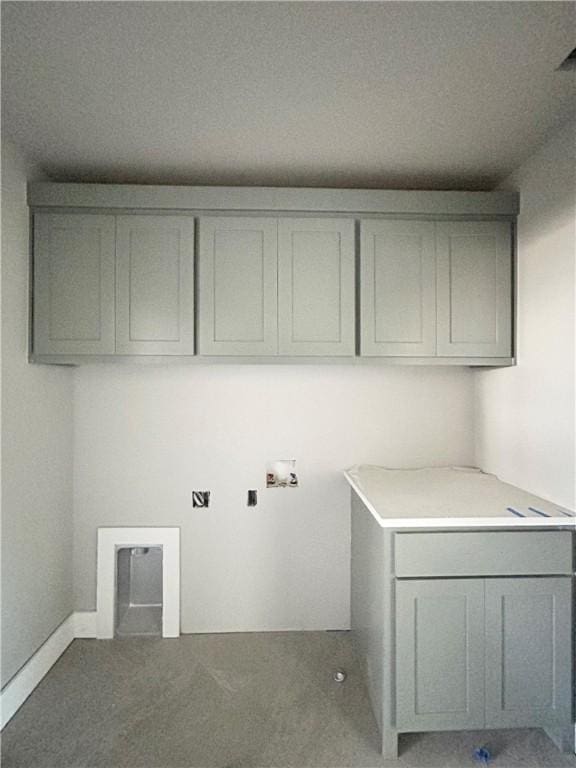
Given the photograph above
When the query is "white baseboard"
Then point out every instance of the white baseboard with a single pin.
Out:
(24, 682)
(79, 624)
(85, 624)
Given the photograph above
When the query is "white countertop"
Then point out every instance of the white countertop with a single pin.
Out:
(451, 497)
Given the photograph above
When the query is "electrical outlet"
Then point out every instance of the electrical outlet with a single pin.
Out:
(252, 498)
(200, 498)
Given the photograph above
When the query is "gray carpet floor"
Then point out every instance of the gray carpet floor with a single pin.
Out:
(228, 701)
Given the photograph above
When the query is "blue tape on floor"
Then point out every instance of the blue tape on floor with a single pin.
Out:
(538, 512)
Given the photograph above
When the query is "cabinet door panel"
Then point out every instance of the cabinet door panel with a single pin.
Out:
(73, 284)
(155, 285)
(440, 654)
(238, 272)
(316, 286)
(474, 288)
(528, 652)
(398, 288)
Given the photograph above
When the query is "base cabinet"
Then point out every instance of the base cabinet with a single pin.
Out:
(463, 629)
(483, 653)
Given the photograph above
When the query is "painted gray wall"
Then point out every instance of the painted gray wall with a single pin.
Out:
(36, 453)
(146, 436)
(524, 422)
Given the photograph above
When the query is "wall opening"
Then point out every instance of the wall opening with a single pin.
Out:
(138, 591)
(138, 582)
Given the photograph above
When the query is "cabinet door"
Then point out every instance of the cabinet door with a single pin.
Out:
(73, 284)
(155, 285)
(528, 652)
(398, 288)
(474, 288)
(316, 287)
(440, 654)
(238, 276)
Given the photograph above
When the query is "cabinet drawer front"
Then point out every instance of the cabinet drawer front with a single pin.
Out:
(486, 553)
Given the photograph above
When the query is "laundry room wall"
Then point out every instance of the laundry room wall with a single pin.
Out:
(36, 450)
(146, 436)
(525, 421)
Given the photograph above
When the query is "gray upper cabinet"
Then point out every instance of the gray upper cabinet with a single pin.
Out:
(107, 285)
(439, 289)
(155, 285)
(73, 307)
(238, 277)
(398, 288)
(276, 286)
(474, 261)
(316, 286)
(440, 654)
(528, 652)
(275, 273)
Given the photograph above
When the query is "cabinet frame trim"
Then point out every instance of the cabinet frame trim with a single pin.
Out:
(327, 200)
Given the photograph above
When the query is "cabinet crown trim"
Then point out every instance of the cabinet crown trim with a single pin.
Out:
(417, 202)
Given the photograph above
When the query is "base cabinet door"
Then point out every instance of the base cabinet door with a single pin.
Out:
(474, 263)
(238, 286)
(316, 287)
(440, 654)
(528, 652)
(155, 285)
(74, 260)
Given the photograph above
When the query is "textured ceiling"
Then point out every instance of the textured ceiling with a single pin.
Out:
(392, 94)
